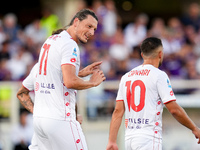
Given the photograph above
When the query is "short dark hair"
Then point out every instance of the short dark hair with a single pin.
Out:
(82, 14)
(149, 45)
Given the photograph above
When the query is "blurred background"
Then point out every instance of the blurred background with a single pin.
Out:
(123, 24)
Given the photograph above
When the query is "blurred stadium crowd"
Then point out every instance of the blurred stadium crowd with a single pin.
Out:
(117, 47)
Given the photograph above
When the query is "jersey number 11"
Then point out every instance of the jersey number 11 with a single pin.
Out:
(46, 51)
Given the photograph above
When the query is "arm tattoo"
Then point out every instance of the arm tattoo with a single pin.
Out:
(25, 100)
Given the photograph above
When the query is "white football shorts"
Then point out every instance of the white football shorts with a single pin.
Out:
(54, 134)
(142, 143)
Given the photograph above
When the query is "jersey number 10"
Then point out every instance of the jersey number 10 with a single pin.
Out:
(46, 51)
(130, 94)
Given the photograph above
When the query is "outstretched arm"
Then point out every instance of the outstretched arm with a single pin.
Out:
(25, 99)
(72, 81)
(115, 124)
(181, 116)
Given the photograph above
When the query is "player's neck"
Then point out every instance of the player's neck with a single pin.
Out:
(153, 62)
(71, 32)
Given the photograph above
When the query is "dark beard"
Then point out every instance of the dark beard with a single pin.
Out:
(160, 63)
(82, 41)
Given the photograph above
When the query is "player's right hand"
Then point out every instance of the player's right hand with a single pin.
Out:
(97, 77)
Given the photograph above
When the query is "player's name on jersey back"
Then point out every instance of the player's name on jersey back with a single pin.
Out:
(143, 72)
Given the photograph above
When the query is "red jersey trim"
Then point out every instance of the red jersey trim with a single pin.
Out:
(170, 101)
(68, 64)
(26, 88)
(119, 100)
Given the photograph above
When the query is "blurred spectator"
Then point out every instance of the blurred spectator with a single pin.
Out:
(5, 74)
(198, 65)
(192, 18)
(106, 65)
(95, 99)
(192, 36)
(35, 32)
(21, 133)
(100, 11)
(118, 50)
(10, 27)
(135, 32)
(4, 50)
(110, 18)
(2, 33)
(135, 58)
(49, 21)
(173, 65)
(175, 26)
(121, 68)
(157, 27)
(170, 43)
(191, 67)
(18, 64)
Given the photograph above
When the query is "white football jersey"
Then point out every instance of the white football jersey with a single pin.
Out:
(29, 81)
(144, 90)
(52, 98)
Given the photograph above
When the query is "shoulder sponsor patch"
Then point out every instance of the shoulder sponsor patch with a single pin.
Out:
(74, 52)
(168, 83)
(73, 59)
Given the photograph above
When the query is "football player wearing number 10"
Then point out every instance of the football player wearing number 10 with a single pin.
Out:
(56, 82)
(142, 94)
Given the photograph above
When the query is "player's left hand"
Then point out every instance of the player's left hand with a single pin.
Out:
(112, 146)
(196, 132)
(79, 118)
(89, 69)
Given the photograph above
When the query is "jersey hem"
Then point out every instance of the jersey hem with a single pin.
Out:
(68, 64)
(26, 87)
(170, 101)
(119, 100)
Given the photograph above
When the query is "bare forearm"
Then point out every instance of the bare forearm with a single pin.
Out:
(78, 84)
(25, 100)
(181, 116)
(114, 127)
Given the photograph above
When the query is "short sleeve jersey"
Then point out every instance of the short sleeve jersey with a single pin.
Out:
(144, 90)
(52, 98)
(29, 81)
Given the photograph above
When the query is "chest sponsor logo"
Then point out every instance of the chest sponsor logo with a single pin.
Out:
(46, 87)
(135, 123)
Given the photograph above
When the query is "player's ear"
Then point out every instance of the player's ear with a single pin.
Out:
(142, 54)
(160, 54)
(76, 21)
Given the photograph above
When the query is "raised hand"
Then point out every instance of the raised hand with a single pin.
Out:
(89, 69)
(97, 77)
